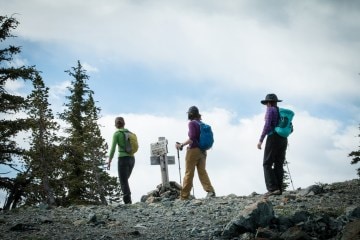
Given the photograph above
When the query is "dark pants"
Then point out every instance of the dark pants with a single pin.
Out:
(125, 167)
(273, 164)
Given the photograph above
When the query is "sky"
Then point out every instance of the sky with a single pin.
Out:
(149, 61)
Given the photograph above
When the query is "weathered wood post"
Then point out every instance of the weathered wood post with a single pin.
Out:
(159, 156)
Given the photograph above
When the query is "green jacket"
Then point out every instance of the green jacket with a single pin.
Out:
(119, 140)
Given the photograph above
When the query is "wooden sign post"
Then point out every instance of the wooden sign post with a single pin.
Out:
(159, 156)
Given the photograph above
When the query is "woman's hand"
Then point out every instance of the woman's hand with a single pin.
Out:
(109, 164)
(178, 146)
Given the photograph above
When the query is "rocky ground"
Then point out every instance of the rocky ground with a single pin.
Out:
(322, 211)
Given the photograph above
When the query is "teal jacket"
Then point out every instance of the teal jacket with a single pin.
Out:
(119, 140)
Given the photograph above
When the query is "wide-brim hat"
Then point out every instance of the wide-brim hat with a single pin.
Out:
(270, 98)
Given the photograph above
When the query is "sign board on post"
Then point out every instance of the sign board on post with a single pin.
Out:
(159, 156)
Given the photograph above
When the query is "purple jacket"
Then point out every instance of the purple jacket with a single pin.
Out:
(271, 120)
(194, 133)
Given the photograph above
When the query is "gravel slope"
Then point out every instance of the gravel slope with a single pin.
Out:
(194, 219)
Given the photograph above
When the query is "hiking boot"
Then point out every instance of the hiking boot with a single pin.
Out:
(210, 195)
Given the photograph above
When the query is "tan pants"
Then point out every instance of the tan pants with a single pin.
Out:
(195, 158)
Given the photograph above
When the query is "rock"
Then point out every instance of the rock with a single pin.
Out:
(256, 215)
(92, 218)
(300, 216)
(266, 233)
(295, 233)
(351, 231)
(311, 190)
(163, 193)
(22, 227)
(353, 212)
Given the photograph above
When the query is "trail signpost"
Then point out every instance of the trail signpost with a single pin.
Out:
(159, 156)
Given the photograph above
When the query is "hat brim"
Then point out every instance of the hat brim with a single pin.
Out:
(266, 101)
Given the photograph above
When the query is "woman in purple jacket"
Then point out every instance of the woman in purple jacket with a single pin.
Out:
(275, 147)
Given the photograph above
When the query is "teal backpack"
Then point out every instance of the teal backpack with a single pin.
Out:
(284, 127)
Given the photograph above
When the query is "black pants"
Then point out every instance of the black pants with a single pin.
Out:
(125, 167)
(273, 164)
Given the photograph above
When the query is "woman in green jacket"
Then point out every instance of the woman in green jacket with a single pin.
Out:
(126, 161)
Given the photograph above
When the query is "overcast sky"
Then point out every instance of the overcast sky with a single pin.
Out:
(149, 61)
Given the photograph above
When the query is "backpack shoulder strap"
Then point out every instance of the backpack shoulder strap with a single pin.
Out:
(198, 122)
(278, 111)
(123, 131)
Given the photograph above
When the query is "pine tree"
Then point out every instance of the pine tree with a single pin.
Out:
(10, 124)
(74, 162)
(356, 157)
(287, 177)
(44, 156)
(84, 148)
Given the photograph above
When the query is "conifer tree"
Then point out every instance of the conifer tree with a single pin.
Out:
(44, 156)
(285, 184)
(74, 160)
(84, 148)
(10, 123)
